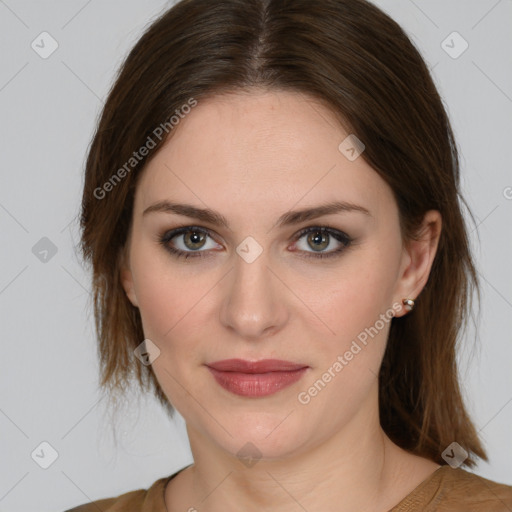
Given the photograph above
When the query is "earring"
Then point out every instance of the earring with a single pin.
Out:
(408, 303)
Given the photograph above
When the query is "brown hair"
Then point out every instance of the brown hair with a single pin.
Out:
(357, 61)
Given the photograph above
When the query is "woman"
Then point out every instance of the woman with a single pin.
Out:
(272, 215)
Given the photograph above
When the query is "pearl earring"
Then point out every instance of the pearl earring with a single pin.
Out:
(408, 303)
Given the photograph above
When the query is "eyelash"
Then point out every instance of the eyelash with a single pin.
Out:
(340, 236)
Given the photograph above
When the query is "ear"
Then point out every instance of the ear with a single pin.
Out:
(126, 276)
(418, 256)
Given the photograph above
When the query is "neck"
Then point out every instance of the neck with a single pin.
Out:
(358, 469)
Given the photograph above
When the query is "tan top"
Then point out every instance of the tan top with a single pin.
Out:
(445, 490)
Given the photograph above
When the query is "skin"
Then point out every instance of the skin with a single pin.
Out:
(253, 156)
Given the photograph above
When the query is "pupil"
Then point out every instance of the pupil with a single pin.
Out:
(319, 239)
(195, 239)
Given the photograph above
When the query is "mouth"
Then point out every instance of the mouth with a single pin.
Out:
(256, 378)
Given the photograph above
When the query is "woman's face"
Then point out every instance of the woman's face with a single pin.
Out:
(258, 288)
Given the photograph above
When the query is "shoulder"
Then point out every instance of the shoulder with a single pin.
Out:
(458, 490)
(130, 501)
(477, 492)
(140, 500)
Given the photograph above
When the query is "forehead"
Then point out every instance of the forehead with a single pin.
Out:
(256, 149)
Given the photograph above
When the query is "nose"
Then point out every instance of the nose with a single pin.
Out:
(254, 305)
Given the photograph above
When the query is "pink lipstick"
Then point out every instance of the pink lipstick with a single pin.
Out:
(258, 378)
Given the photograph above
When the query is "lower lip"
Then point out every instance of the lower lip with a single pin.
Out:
(256, 384)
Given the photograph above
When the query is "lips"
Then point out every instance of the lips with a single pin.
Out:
(256, 378)
(263, 366)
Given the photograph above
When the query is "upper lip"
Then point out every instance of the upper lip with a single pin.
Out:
(262, 366)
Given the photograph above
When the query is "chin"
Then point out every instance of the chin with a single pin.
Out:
(266, 436)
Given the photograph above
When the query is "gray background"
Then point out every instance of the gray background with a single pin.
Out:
(49, 364)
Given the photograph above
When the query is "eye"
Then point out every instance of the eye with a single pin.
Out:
(190, 241)
(320, 238)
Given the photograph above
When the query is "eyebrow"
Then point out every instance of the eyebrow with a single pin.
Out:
(287, 219)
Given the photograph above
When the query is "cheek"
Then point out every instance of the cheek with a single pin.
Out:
(358, 338)
(357, 307)
(162, 293)
(176, 302)
(354, 295)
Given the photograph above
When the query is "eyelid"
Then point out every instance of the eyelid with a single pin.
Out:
(322, 228)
